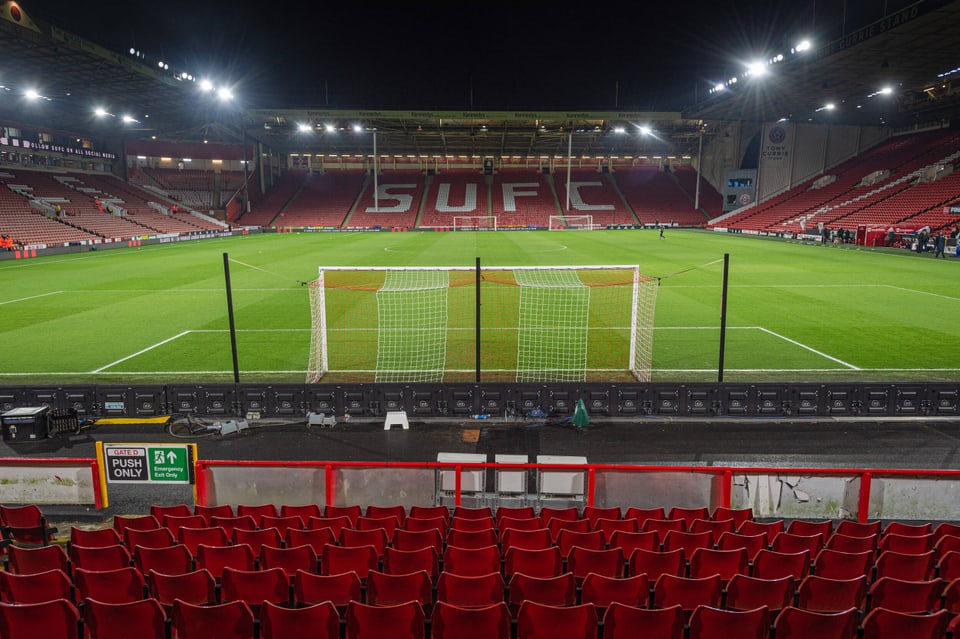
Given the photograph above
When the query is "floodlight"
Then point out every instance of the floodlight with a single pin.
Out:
(330, 128)
(303, 127)
(357, 128)
(619, 129)
(160, 64)
(133, 51)
(206, 85)
(757, 68)
(719, 87)
(100, 112)
(645, 130)
(31, 94)
(803, 45)
(225, 94)
(127, 119)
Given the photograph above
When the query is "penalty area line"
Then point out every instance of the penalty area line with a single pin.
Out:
(140, 352)
(809, 348)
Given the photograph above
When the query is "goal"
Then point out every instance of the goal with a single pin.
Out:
(474, 223)
(571, 222)
(536, 324)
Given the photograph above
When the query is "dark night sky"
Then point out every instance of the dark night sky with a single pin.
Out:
(495, 55)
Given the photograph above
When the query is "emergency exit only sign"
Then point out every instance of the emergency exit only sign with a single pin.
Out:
(167, 463)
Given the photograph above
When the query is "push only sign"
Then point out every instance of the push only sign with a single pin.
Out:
(160, 463)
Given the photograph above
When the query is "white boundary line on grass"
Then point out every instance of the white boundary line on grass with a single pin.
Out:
(141, 352)
(804, 346)
(919, 292)
(32, 297)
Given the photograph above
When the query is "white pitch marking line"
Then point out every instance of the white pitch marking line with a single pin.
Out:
(918, 292)
(812, 350)
(141, 352)
(32, 297)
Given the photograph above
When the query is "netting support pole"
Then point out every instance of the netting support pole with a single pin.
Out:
(723, 315)
(477, 313)
(233, 328)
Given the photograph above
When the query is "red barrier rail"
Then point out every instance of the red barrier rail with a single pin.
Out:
(726, 473)
(63, 461)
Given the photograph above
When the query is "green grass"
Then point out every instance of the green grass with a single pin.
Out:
(795, 312)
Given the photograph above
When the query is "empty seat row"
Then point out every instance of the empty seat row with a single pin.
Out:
(147, 619)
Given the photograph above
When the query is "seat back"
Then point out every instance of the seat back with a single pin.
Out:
(543, 562)
(110, 586)
(543, 621)
(231, 620)
(825, 594)
(386, 589)
(709, 622)
(53, 619)
(400, 621)
(176, 559)
(282, 622)
(744, 592)
(621, 621)
(603, 590)
(471, 591)
(144, 619)
(340, 589)
(449, 621)
(801, 623)
(253, 587)
(35, 587)
(471, 561)
(883, 623)
(195, 587)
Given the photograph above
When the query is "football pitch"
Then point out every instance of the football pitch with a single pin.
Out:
(795, 312)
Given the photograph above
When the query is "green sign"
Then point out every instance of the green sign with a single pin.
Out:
(168, 464)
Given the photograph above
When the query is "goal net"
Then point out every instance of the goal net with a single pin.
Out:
(474, 223)
(571, 222)
(536, 324)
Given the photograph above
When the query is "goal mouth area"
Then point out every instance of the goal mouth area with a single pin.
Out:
(445, 324)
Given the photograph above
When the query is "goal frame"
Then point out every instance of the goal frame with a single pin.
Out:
(642, 303)
(489, 223)
(571, 223)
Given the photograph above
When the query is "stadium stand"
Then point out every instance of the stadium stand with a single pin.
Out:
(656, 196)
(523, 197)
(883, 185)
(453, 193)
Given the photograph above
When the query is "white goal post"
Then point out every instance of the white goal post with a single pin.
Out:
(536, 324)
(571, 222)
(474, 223)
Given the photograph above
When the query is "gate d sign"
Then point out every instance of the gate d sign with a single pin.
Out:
(126, 464)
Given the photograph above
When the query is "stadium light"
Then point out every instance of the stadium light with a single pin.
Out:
(225, 94)
(330, 128)
(802, 46)
(829, 106)
(206, 85)
(303, 127)
(129, 119)
(757, 69)
(31, 94)
(101, 112)
(883, 91)
(645, 130)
